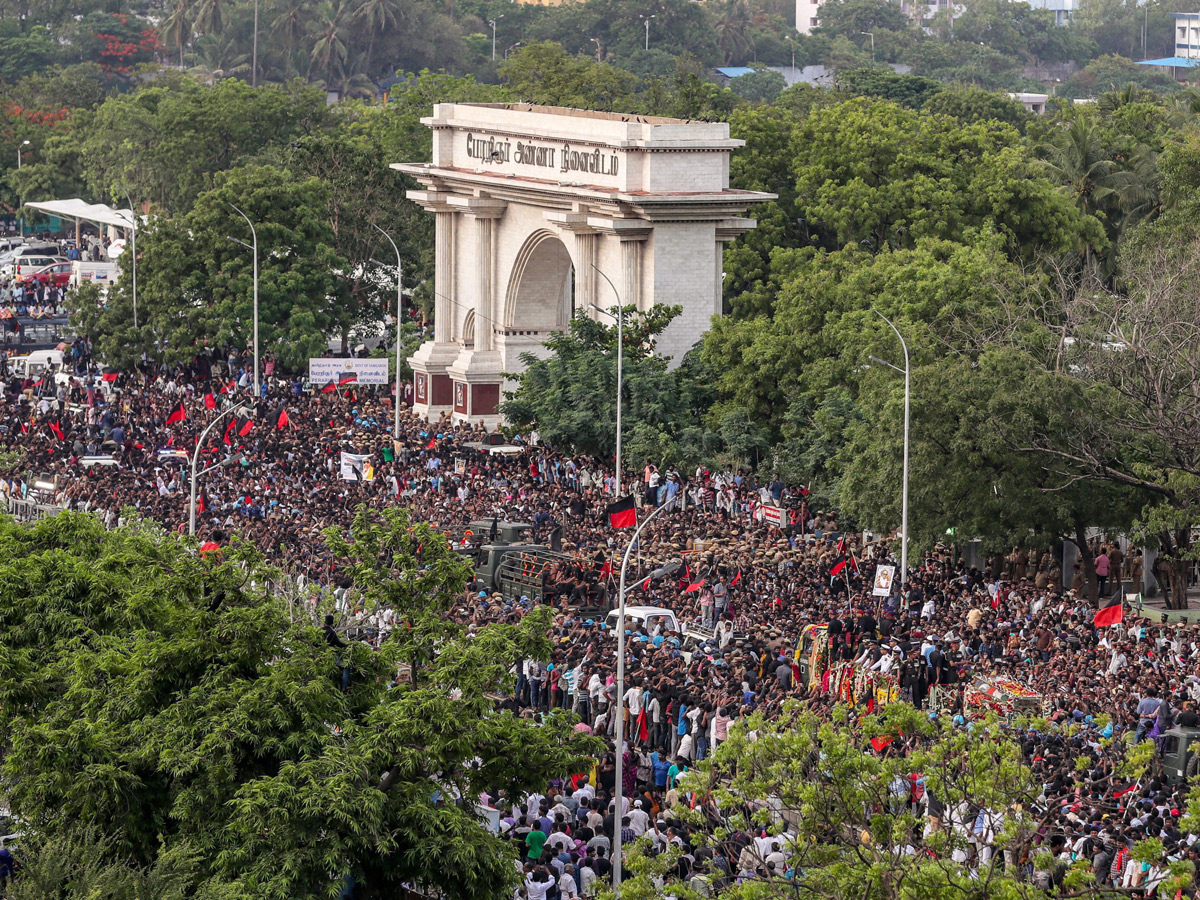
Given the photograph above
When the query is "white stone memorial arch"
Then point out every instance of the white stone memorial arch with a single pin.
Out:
(531, 201)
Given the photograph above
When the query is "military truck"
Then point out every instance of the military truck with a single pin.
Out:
(1180, 752)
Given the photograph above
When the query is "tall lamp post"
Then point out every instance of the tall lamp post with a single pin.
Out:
(646, 20)
(133, 254)
(907, 372)
(254, 247)
(493, 22)
(871, 35)
(620, 317)
(399, 296)
(196, 458)
(620, 773)
(21, 212)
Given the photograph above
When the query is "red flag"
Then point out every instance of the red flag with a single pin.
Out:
(878, 743)
(1111, 611)
(24, 428)
(432, 443)
(244, 426)
(692, 588)
(736, 578)
(178, 414)
(56, 430)
(646, 584)
(282, 421)
(622, 513)
(201, 506)
(210, 402)
(642, 732)
(227, 387)
(229, 429)
(329, 388)
(607, 569)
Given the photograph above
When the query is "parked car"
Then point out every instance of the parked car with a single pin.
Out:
(24, 266)
(58, 274)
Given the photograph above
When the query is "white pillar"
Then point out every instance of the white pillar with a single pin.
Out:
(443, 281)
(585, 274)
(485, 233)
(631, 272)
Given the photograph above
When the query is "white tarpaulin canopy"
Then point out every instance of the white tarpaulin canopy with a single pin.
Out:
(76, 209)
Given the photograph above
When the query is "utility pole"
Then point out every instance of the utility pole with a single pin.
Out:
(493, 22)
(646, 20)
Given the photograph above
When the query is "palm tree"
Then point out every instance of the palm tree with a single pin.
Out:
(732, 26)
(218, 57)
(289, 25)
(177, 29)
(327, 60)
(208, 16)
(376, 16)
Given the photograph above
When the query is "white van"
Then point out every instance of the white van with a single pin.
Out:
(644, 615)
(36, 362)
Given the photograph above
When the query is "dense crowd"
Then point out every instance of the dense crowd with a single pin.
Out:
(760, 583)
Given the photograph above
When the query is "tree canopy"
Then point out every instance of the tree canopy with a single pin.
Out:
(162, 710)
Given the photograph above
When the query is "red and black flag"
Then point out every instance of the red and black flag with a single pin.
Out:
(329, 388)
(347, 378)
(692, 588)
(622, 513)
(432, 444)
(244, 426)
(108, 373)
(178, 414)
(210, 402)
(281, 419)
(1110, 612)
(227, 437)
(56, 430)
(1127, 789)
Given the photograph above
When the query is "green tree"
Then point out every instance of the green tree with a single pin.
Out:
(912, 91)
(570, 396)
(162, 700)
(851, 832)
(164, 143)
(875, 174)
(544, 73)
(761, 85)
(195, 285)
(970, 105)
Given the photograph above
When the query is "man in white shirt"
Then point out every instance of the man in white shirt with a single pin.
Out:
(639, 820)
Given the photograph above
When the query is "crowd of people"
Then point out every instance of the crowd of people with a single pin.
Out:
(109, 442)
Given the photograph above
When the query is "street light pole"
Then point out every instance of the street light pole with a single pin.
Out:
(254, 52)
(254, 235)
(872, 37)
(21, 212)
(399, 295)
(196, 458)
(493, 22)
(620, 317)
(904, 487)
(646, 20)
(620, 773)
(133, 253)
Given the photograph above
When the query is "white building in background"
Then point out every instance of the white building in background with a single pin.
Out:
(1187, 35)
(806, 15)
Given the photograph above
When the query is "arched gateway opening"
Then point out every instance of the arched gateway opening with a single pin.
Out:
(539, 210)
(541, 289)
